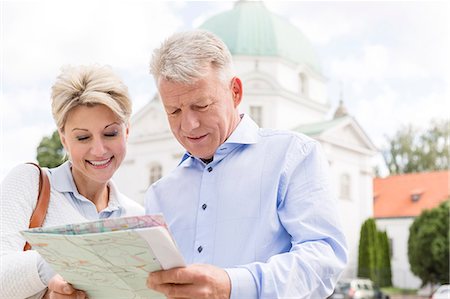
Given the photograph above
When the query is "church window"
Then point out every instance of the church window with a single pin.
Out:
(155, 173)
(304, 85)
(345, 184)
(256, 114)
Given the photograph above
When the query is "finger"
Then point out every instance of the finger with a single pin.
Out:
(175, 275)
(59, 285)
(74, 295)
(185, 291)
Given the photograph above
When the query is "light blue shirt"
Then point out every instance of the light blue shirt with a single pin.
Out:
(263, 209)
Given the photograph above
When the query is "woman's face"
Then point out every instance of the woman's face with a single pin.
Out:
(95, 139)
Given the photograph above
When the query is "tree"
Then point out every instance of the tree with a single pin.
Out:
(50, 152)
(428, 245)
(384, 260)
(411, 150)
(373, 254)
(366, 252)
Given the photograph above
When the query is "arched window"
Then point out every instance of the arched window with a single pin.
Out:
(155, 173)
(303, 84)
(345, 186)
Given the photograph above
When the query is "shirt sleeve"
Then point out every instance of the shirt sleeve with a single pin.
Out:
(19, 274)
(307, 209)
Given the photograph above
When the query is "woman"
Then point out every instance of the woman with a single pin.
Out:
(91, 108)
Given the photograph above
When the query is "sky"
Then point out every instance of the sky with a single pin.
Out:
(389, 60)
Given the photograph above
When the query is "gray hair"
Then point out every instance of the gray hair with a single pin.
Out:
(89, 86)
(185, 57)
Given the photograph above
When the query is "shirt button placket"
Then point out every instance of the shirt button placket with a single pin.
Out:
(205, 224)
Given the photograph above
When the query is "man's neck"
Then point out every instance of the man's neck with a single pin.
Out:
(207, 161)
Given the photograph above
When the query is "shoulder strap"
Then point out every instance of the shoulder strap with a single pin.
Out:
(39, 213)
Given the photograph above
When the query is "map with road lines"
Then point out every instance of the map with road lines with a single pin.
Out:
(109, 258)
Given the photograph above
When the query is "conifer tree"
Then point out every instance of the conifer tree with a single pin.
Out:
(374, 255)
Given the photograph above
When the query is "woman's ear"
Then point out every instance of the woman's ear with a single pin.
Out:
(62, 137)
(127, 130)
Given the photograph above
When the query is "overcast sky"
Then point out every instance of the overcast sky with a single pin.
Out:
(391, 57)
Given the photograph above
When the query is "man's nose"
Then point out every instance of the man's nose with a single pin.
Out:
(189, 121)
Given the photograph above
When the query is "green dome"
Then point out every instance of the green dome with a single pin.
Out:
(250, 29)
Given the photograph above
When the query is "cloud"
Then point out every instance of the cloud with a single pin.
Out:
(38, 37)
(41, 36)
(392, 57)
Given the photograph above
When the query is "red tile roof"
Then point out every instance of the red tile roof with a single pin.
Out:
(393, 196)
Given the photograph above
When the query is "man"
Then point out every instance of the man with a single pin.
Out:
(251, 209)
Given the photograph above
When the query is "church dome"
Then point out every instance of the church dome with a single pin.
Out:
(251, 29)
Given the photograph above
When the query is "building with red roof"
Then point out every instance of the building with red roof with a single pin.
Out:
(398, 199)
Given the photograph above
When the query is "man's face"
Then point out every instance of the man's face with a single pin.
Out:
(202, 115)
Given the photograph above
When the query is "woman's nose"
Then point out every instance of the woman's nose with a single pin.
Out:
(98, 147)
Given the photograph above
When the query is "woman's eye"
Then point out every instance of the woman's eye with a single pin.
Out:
(112, 134)
(82, 138)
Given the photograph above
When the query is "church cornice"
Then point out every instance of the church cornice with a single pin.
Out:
(277, 90)
(346, 146)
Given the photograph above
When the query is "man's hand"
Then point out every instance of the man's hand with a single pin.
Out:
(58, 288)
(193, 281)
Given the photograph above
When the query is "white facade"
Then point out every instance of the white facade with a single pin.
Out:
(398, 232)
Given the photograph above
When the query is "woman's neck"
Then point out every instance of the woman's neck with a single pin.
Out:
(97, 193)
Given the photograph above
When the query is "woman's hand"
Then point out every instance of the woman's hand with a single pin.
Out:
(58, 288)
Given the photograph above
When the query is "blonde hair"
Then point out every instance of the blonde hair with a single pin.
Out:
(89, 85)
(185, 56)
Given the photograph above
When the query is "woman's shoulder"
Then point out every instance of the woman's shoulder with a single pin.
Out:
(22, 175)
(129, 206)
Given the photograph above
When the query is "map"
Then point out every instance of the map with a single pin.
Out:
(109, 258)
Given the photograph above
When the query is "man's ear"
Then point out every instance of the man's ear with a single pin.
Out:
(236, 90)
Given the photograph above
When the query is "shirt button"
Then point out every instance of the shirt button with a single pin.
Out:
(209, 168)
(199, 249)
(204, 206)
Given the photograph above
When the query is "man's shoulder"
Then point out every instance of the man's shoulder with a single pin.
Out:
(284, 135)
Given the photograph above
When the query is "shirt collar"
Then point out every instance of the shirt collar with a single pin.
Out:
(61, 180)
(246, 132)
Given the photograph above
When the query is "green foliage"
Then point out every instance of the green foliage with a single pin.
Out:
(50, 152)
(374, 258)
(428, 245)
(384, 260)
(411, 150)
(367, 245)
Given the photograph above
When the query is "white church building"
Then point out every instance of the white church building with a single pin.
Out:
(283, 88)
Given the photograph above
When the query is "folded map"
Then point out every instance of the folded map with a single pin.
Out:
(108, 258)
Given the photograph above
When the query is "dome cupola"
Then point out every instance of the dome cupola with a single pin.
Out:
(251, 29)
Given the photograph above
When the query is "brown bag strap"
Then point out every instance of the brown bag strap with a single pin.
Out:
(39, 213)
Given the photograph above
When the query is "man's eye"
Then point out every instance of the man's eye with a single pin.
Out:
(174, 112)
